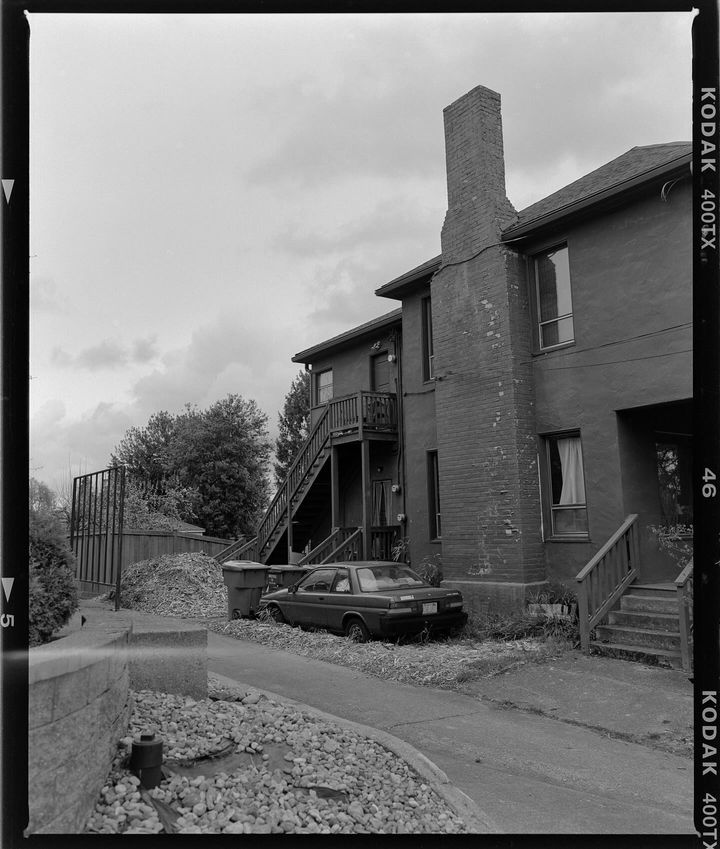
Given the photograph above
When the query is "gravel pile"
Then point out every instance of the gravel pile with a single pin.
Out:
(282, 770)
(185, 585)
(437, 664)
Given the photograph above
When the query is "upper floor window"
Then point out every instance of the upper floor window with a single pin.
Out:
(553, 298)
(427, 340)
(566, 486)
(323, 386)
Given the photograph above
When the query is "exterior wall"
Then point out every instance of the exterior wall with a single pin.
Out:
(419, 432)
(484, 397)
(631, 276)
(351, 365)
(79, 707)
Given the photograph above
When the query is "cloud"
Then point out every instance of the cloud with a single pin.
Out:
(108, 354)
(45, 297)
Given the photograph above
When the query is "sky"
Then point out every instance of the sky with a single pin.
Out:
(210, 194)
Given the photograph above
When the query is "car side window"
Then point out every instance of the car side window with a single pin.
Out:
(342, 582)
(318, 582)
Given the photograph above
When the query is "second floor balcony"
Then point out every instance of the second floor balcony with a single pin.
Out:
(362, 414)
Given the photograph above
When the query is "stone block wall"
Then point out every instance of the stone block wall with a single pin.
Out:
(79, 707)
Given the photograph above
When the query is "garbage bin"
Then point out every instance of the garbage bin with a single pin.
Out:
(285, 576)
(245, 581)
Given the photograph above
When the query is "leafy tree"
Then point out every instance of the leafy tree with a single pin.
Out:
(145, 452)
(157, 512)
(293, 423)
(208, 466)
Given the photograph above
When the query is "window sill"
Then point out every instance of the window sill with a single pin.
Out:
(539, 352)
(577, 538)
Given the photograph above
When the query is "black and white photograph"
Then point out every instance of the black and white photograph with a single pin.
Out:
(363, 426)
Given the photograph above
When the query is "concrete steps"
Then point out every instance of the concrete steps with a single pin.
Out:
(646, 627)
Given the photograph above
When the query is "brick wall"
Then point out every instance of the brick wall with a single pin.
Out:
(484, 394)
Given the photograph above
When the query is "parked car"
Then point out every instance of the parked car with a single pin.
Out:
(365, 598)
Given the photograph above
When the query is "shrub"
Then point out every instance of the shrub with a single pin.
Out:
(53, 594)
(430, 570)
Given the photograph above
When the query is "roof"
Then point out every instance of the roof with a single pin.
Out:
(632, 169)
(350, 336)
(396, 288)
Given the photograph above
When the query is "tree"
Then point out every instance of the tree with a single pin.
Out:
(293, 423)
(208, 466)
(145, 452)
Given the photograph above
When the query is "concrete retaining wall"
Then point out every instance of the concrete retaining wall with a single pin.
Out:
(79, 707)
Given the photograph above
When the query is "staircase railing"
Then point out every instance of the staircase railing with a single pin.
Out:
(684, 590)
(372, 411)
(299, 470)
(606, 577)
(241, 549)
(327, 547)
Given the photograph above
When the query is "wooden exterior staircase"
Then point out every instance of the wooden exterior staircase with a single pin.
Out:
(646, 622)
(307, 486)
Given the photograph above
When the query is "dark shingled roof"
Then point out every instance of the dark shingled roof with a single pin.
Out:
(370, 327)
(636, 166)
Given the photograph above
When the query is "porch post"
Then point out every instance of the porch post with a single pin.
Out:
(335, 487)
(366, 497)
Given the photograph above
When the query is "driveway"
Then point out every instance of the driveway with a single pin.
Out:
(528, 773)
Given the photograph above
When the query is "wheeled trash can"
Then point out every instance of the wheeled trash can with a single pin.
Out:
(245, 581)
(285, 576)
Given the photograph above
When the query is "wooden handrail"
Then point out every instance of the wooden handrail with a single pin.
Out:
(603, 581)
(357, 534)
(685, 614)
(631, 519)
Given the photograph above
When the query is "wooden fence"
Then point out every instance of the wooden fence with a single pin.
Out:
(142, 545)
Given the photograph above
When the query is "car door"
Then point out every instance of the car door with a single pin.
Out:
(338, 600)
(309, 603)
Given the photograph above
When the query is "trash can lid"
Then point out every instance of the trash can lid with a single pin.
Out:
(244, 565)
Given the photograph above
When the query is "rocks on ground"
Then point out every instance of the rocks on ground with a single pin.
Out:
(329, 779)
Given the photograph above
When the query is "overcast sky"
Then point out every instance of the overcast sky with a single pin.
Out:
(211, 194)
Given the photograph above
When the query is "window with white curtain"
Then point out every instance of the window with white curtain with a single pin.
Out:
(566, 479)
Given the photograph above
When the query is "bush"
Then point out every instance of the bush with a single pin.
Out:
(430, 570)
(53, 594)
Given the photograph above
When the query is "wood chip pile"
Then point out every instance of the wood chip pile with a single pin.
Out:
(184, 585)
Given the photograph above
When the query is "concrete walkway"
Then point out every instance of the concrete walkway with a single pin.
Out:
(527, 773)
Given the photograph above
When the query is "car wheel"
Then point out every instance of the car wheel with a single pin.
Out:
(275, 613)
(356, 630)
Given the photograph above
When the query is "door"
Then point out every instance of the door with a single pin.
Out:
(337, 600)
(380, 372)
(309, 602)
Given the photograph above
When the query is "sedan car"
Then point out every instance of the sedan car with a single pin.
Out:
(365, 598)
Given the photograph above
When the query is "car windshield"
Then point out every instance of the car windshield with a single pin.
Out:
(386, 577)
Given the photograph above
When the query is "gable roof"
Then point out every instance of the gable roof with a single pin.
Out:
(637, 166)
(350, 336)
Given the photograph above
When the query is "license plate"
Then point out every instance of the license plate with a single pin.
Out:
(429, 607)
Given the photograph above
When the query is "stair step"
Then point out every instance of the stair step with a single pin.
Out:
(649, 603)
(643, 654)
(645, 619)
(652, 590)
(644, 637)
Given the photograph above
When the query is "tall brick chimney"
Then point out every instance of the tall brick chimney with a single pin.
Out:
(487, 448)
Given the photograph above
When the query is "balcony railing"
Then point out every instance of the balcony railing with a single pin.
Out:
(363, 411)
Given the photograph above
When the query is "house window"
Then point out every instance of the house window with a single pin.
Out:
(553, 298)
(434, 495)
(427, 340)
(323, 386)
(566, 485)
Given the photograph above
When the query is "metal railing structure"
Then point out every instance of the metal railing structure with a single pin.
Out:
(96, 529)
(606, 577)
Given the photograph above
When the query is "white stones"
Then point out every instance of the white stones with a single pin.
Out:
(377, 792)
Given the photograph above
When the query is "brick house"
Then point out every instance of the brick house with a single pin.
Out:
(530, 393)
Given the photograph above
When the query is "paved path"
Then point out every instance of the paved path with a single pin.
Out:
(528, 774)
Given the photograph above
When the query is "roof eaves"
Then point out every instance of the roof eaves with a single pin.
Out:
(349, 336)
(527, 228)
(399, 285)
